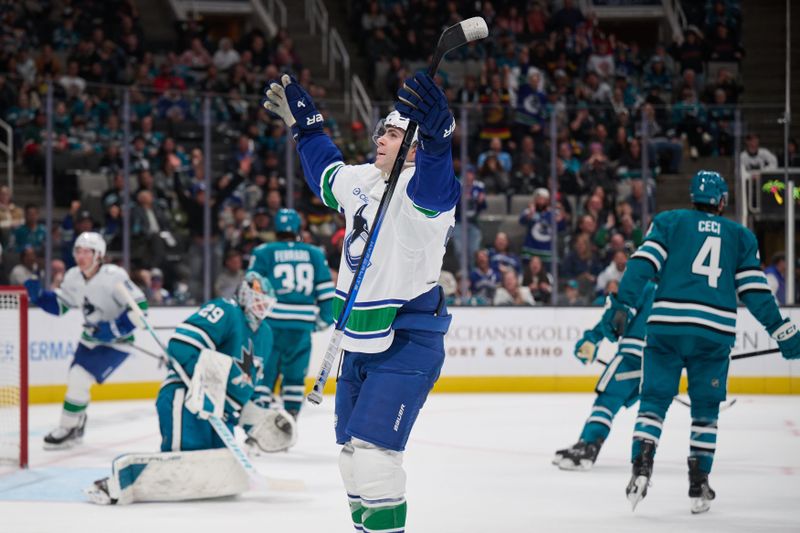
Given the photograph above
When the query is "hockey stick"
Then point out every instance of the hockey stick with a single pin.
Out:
(457, 35)
(225, 434)
(684, 402)
(755, 354)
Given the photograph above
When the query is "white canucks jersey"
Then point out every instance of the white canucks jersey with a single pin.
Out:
(407, 257)
(96, 297)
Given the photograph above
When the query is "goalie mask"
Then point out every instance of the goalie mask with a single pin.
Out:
(93, 241)
(256, 297)
(395, 120)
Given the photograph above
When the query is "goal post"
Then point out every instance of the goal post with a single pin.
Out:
(14, 375)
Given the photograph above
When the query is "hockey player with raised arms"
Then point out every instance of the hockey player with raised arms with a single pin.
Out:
(221, 348)
(107, 332)
(302, 280)
(394, 338)
(618, 385)
(703, 262)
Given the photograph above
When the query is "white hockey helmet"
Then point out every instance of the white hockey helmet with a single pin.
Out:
(256, 297)
(91, 240)
(395, 120)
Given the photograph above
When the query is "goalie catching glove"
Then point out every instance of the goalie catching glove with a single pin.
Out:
(271, 429)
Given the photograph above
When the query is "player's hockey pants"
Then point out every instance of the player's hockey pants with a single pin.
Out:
(706, 364)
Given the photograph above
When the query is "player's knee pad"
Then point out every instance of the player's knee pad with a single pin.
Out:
(378, 473)
(79, 382)
(346, 469)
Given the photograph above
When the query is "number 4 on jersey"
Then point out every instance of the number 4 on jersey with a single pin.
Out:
(709, 253)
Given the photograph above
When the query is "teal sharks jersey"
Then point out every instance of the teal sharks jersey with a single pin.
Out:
(301, 278)
(221, 325)
(703, 263)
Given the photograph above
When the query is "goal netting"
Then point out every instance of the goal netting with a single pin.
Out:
(13, 376)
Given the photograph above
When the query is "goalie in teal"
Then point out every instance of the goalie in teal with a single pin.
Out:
(221, 347)
(703, 262)
(304, 292)
(617, 387)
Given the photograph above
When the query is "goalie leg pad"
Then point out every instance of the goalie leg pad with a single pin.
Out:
(176, 476)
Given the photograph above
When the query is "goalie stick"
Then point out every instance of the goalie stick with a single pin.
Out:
(457, 35)
(256, 480)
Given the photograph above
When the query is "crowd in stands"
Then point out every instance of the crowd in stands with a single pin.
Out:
(541, 60)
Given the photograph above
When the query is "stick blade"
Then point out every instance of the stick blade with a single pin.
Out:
(474, 28)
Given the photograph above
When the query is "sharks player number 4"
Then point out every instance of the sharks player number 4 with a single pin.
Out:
(703, 262)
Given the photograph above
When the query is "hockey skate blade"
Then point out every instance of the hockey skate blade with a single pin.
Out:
(700, 505)
(67, 445)
(637, 490)
(557, 459)
(569, 465)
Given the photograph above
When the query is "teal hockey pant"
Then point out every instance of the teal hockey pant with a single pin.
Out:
(618, 386)
(291, 352)
(706, 363)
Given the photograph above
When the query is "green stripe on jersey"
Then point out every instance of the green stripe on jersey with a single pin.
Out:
(430, 213)
(325, 187)
(366, 320)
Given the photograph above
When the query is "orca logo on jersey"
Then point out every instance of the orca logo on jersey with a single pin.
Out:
(356, 240)
(88, 307)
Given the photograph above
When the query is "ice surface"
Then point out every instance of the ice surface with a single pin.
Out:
(475, 463)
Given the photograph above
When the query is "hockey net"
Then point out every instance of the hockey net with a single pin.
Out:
(13, 376)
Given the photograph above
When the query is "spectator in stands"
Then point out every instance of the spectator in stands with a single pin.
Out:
(31, 233)
(483, 279)
(82, 221)
(112, 227)
(28, 268)
(150, 229)
(597, 170)
(511, 293)
(581, 262)
(157, 293)
(11, 216)
(793, 160)
(538, 221)
(601, 61)
(231, 277)
(495, 178)
(636, 200)
(723, 45)
(539, 281)
(476, 203)
(690, 120)
(755, 159)
(226, 57)
(629, 230)
(613, 272)
(568, 16)
(658, 76)
(572, 296)
(776, 277)
(72, 82)
(662, 147)
(496, 150)
(531, 111)
(57, 271)
(691, 53)
(725, 81)
(501, 258)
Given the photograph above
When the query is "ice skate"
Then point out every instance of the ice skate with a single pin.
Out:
(63, 438)
(580, 457)
(98, 493)
(699, 490)
(641, 473)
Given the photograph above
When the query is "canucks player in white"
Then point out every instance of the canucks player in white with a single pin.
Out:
(107, 332)
(394, 339)
(703, 262)
(222, 348)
